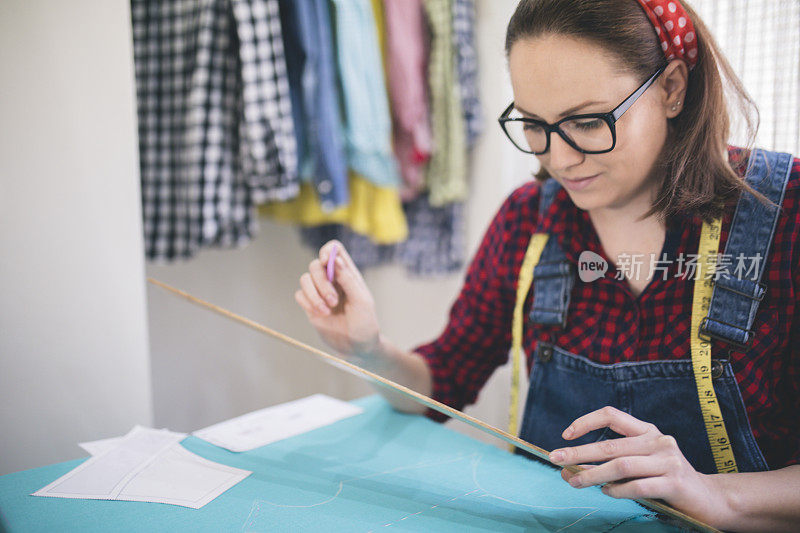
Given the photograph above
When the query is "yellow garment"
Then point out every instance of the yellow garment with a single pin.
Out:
(380, 28)
(373, 211)
(380, 25)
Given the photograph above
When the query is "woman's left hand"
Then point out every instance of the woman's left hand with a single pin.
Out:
(643, 464)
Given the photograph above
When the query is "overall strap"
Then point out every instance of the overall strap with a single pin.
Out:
(532, 256)
(736, 296)
(543, 257)
(547, 193)
(553, 276)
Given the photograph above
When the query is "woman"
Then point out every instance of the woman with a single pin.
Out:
(622, 103)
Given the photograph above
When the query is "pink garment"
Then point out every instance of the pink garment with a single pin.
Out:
(407, 58)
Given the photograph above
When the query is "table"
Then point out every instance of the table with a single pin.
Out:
(378, 471)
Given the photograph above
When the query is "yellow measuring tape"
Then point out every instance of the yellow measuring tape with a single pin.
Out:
(701, 348)
(531, 259)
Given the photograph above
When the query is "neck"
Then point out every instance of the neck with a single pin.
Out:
(627, 215)
(622, 230)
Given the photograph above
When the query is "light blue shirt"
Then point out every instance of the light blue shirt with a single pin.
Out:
(316, 99)
(368, 124)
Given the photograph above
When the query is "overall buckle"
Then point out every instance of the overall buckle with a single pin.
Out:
(749, 334)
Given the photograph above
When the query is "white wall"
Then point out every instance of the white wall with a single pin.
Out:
(206, 369)
(73, 338)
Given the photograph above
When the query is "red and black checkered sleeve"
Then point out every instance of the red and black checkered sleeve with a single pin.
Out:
(792, 207)
(477, 337)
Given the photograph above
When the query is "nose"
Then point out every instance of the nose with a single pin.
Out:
(562, 156)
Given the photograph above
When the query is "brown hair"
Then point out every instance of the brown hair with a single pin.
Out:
(698, 178)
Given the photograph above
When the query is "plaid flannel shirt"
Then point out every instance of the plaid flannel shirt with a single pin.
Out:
(608, 324)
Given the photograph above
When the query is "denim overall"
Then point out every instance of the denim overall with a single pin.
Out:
(565, 386)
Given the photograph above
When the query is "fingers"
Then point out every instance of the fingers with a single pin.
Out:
(604, 450)
(347, 261)
(651, 487)
(625, 468)
(566, 475)
(324, 287)
(319, 297)
(608, 417)
(325, 251)
(346, 274)
(305, 303)
(312, 296)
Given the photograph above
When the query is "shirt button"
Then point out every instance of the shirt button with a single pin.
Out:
(546, 353)
(324, 187)
(716, 369)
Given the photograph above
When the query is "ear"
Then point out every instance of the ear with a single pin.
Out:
(674, 82)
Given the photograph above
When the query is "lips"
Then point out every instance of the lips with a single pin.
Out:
(575, 180)
(576, 184)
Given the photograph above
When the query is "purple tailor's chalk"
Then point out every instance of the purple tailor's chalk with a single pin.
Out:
(331, 259)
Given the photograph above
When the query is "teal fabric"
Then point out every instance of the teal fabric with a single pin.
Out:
(377, 470)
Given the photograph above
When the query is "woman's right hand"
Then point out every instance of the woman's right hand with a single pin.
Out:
(342, 312)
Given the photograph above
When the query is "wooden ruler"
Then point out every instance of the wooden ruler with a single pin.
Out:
(655, 505)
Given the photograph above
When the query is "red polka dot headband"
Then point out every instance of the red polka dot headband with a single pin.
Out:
(673, 28)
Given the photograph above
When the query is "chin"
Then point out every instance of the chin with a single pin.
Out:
(587, 201)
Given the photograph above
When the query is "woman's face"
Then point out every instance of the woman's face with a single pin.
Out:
(553, 76)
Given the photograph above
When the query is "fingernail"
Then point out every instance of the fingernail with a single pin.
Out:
(339, 262)
(568, 432)
(557, 456)
(331, 299)
(575, 481)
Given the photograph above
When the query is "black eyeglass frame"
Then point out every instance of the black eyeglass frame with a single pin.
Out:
(610, 119)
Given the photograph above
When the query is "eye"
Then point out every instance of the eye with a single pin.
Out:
(587, 124)
(532, 128)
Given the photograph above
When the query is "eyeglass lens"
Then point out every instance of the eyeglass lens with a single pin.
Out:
(590, 134)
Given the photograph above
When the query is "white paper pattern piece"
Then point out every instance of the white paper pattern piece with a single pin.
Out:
(96, 447)
(278, 422)
(147, 465)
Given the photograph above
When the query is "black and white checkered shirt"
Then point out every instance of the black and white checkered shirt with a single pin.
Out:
(215, 126)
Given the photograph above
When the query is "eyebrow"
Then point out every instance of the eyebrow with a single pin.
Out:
(569, 111)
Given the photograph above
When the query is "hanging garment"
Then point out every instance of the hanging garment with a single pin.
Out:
(374, 212)
(467, 65)
(435, 244)
(407, 63)
(370, 210)
(446, 175)
(367, 120)
(215, 126)
(380, 27)
(316, 102)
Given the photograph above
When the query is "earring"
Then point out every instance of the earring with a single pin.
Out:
(675, 105)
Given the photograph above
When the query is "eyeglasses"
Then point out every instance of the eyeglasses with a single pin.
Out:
(592, 133)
